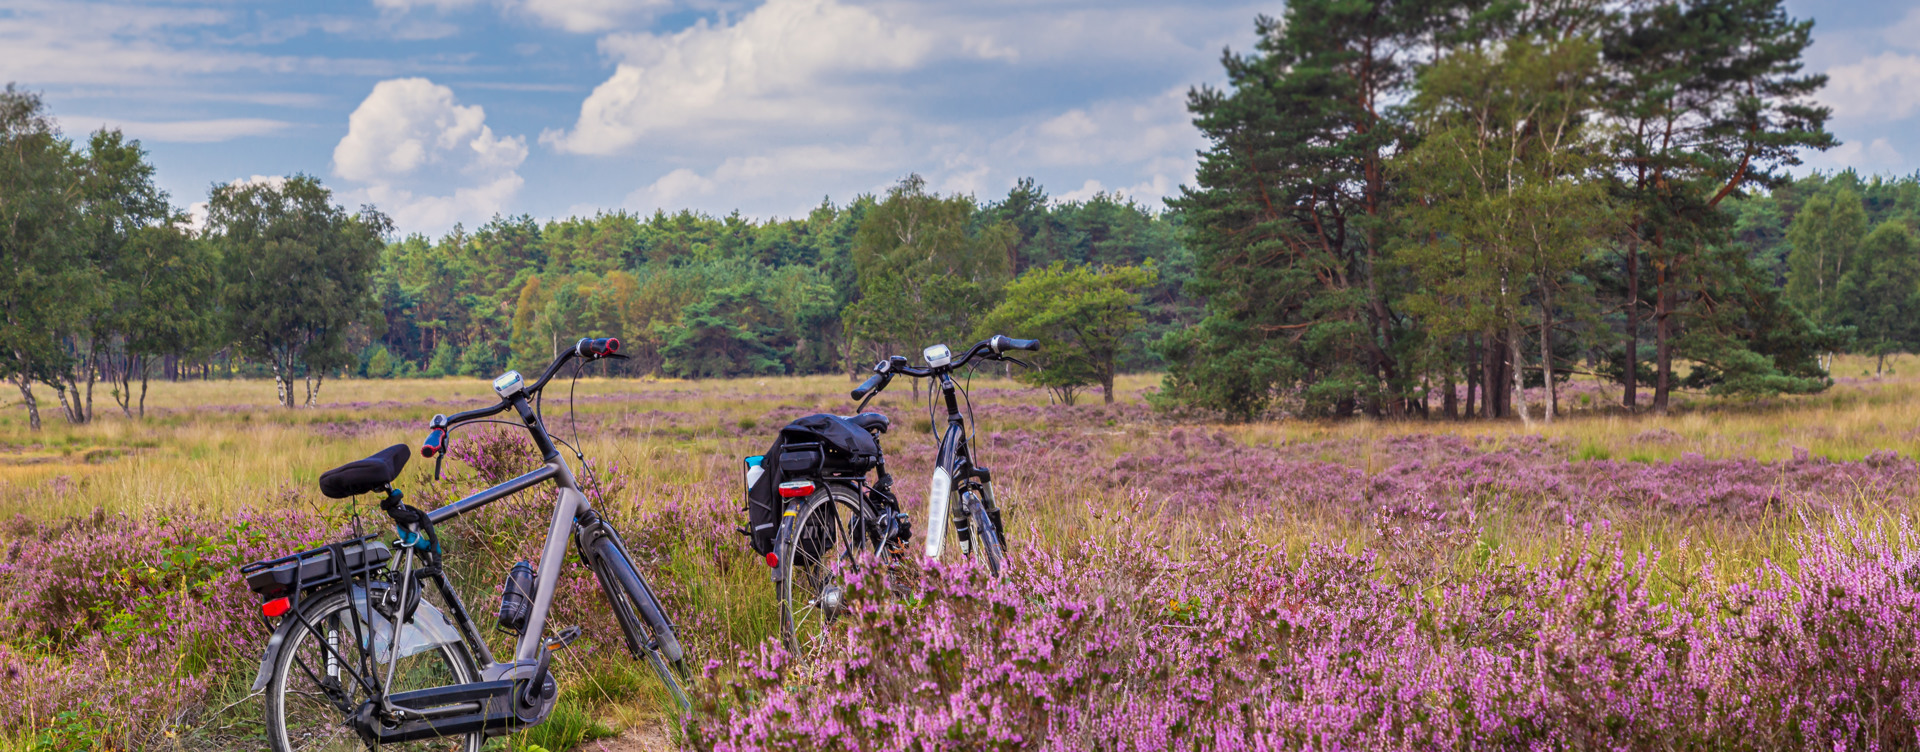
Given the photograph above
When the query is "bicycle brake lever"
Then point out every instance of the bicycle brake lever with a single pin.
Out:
(1016, 360)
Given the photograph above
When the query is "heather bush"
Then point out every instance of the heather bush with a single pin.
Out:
(126, 624)
(1117, 645)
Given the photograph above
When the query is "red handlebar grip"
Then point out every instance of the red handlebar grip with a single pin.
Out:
(613, 345)
(436, 443)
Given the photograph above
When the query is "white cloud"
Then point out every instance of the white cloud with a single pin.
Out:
(410, 140)
(1876, 156)
(585, 16)
(1882, 87)
(772, 175)
(407, 5)
(1906, 33)
(785, 64)
(181, 131)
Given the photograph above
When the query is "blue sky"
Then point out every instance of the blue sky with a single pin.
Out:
(444, 111)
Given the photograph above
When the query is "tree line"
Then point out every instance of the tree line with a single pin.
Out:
(1422, 207)
(1407, 208)
(110, 284)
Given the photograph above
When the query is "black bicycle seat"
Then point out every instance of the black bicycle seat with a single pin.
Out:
(875, 423)
(360, 476)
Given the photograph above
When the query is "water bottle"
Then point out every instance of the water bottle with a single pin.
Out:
(756, 467)
(516, 598)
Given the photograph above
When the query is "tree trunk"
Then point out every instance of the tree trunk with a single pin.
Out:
(1663, 352)
(1449, 403)
(282, 387)
(314, 380)
(1515, 363)
(1106, 384)
(143, 389)
(60, 390)
(1470, 370)
(26, 398)
(1546, 348)
(93, 362)
(1629, 396)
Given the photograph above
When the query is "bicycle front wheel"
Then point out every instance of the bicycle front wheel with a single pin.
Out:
(314, 687)
(818, 551)
(648, 634)
(986, 536)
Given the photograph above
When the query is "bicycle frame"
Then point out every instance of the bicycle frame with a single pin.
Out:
(955, 460)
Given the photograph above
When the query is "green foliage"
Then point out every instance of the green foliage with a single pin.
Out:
(380, 363)
(1283, 219)
(445, 361)
(1082, 315)
(1881, 292)
(1824, 235)
(297, 273)
(46, 283)
(925, 269)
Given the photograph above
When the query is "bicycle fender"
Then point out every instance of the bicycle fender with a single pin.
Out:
(279, 639)
(428, 629)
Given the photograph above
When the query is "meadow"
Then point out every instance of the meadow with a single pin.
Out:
(1741, 574)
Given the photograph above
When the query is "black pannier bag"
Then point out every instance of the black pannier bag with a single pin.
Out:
(821, 446)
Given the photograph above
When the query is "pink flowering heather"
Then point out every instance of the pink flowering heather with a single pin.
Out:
(1242, 647)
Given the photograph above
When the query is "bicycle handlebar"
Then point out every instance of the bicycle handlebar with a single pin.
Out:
(992, 348)
(591, 349)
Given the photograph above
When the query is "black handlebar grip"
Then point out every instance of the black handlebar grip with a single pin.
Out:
(867, 387)
(598, 348)
(1002, 343)
(436, 443)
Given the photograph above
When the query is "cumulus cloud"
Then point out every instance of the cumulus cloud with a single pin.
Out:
(789, 62)
(410, 140)
(1882, 87)
(585, 16)
(1871, 156)
(184, 131)
(771, 174)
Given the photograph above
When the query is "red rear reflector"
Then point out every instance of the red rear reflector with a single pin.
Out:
(274, 608)
(796, 488)
(773, 560)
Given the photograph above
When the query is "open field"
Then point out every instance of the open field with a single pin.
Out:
(1735, 576)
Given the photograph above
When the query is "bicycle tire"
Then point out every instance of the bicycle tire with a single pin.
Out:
(641, 619)
(812, 593)
(986, 537)
(329, 731)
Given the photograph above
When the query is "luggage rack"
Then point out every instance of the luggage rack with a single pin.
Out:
(274, 578)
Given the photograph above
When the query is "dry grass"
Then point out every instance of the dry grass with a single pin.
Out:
(218, 447)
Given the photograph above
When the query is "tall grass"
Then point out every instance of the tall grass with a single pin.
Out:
(1424, 504)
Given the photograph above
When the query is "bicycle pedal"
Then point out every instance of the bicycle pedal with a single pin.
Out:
(564, 638)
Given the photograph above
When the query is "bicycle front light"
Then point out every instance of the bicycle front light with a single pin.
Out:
(508, 385)
(937, 512)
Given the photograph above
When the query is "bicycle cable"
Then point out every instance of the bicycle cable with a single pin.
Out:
(573, 422)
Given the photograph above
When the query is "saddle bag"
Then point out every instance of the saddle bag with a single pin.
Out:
(816, 446)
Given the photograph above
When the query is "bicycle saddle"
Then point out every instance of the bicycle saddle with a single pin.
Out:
(360, 476)
(875, 423)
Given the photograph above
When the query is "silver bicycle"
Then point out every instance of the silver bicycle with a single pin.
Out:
(339, 674)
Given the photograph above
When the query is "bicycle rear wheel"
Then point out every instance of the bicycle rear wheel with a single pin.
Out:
(818, 550)
(311, 691)
(649, 636)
